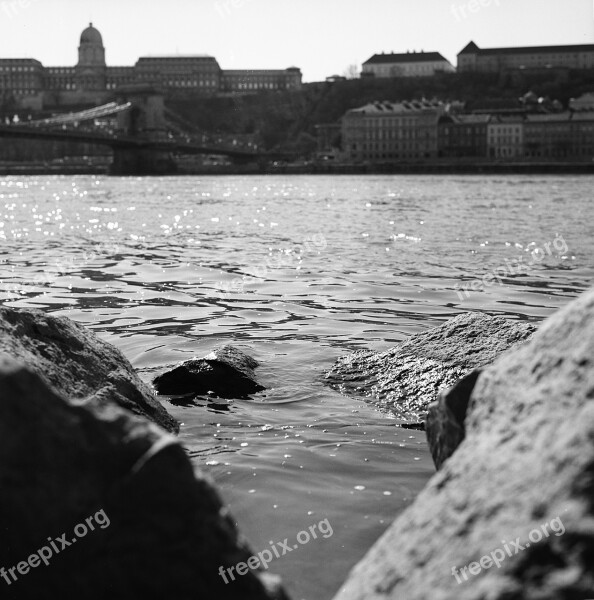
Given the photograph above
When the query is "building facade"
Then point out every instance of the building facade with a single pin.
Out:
(566, 135)
(252, 80)
(505, 137)
(31, 85)
(494, 60)
(409, 64)
(384, 132)
(463, 136)
(200, 74)
(388, 132)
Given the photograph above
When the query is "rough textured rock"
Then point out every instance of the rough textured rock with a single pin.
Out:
(527, 461)
(163, 533)
(407, 378)
(226, 372)
(76, 362)
(445, 419)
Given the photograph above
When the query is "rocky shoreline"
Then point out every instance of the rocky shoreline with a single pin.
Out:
(510, 424)
(510, 513)
(81, 433)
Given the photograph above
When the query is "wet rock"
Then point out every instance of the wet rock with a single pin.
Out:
(519, 488)
(407, 378)
(445, 418)
(226, 372)
(76, 363)
(158, 529)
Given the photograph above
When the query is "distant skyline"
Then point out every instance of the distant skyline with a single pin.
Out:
(322, 37)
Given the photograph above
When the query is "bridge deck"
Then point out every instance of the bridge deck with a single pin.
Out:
(119, 141)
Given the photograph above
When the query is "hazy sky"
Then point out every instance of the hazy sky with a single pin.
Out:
(322, 37)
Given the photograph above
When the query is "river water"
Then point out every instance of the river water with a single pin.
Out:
(296, 270)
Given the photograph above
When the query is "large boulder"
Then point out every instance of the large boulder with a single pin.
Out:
(226, 372)
(76, 363)
(407, 378)
(511, 513)
(96, 503)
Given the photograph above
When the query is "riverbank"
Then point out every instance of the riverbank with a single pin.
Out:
(420, 168)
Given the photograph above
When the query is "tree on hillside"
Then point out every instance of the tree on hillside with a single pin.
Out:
(351, 72)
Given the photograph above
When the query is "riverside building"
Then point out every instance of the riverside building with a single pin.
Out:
(388, 131)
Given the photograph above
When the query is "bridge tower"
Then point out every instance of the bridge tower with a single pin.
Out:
(144, 121)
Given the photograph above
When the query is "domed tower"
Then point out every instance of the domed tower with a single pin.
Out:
(91, 67)
(91, 52)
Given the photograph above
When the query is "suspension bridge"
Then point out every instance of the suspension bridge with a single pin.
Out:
(143, 134)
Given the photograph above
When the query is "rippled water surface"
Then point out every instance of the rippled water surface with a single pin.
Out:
(297, 271)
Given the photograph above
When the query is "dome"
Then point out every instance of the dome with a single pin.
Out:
(91, 36)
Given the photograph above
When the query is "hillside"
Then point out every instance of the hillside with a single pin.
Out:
(289, 118)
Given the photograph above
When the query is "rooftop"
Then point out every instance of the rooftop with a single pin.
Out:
(467, 119)
(177, 57)
(406, 57)
(472, 48)
(387, 108)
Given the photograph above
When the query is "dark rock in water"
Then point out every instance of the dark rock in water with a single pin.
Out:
(77, 363)
(511, 512)
(407, 378)
(125, 514)
(445, 419)
(226, 372)
(417, 426)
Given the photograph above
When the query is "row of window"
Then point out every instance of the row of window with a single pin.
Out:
(19, 80)
(255, 86)
(499, 153)
(190, 83)
(177, 72)
(385, 123)
(390, 155)
(394, 147)
(560, 153)
(395, 135)
(18, 69)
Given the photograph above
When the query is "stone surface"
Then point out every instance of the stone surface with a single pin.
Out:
(408, 377)
(160, 530)
(77, 363)
(445, 418)
(526, 464)
(226, 372)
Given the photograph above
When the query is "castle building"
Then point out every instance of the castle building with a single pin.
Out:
(494, 60)
(409, 64)
(28, 84)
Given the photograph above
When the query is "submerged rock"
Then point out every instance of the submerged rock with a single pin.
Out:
(76, 363)
(407, 378)
(111, 501)
(511, 512)
(226, 372)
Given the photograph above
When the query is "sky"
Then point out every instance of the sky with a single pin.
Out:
(322, 37)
